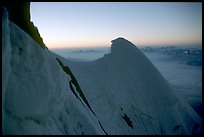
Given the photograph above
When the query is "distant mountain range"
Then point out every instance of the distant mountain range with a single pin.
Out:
(189, 56)
(121, 93)
(86, 51)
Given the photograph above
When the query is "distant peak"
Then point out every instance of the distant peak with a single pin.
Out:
(120, 39)
(121, 44)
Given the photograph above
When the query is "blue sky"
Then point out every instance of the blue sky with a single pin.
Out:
(95, 24)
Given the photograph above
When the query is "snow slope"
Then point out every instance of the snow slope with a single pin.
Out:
(37, 98)
(120, 93)
(186, 79)
(130, 96)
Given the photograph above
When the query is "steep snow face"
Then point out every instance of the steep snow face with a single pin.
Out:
(36, 95)
(31, 87)
(6, 51)
(130, 96)
(126, 92)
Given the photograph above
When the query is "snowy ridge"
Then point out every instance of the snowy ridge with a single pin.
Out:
(123, 92)
(130, 95)
(36, 96)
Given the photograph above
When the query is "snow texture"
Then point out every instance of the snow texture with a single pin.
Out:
(127, 94)
(36, 95)
(130, 96)
(185, 79)
(6, 53)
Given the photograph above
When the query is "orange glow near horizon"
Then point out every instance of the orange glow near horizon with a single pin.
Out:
(101, 44)
(96, 24)
(83, 44)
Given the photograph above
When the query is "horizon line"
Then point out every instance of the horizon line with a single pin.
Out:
(138, 45)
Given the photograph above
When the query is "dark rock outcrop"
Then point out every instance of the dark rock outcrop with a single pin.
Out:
(19, 13)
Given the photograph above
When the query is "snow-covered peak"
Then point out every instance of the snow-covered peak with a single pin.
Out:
(130, 96)
(122, 47)
(121, 93)
(120, 40)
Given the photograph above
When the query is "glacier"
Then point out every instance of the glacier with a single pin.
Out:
(119, 93)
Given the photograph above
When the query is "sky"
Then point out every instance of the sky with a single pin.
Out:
(95, 24)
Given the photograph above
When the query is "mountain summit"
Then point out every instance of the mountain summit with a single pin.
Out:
(121, 45)
(120, 93)
(130, 96)
(121, 41)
